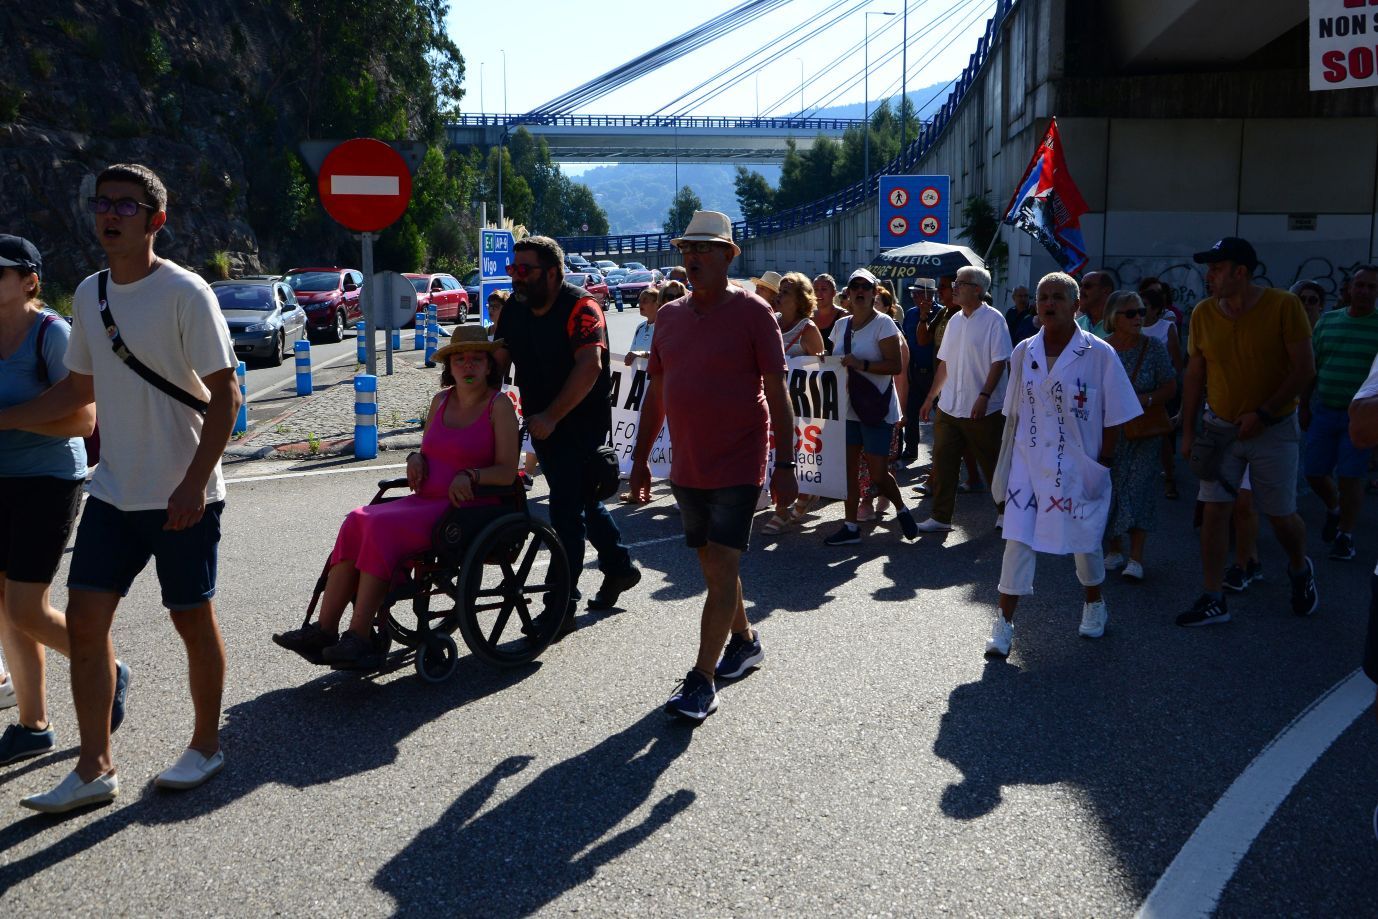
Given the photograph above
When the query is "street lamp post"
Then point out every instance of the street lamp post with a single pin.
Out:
(904, 78)
(866, 91)
(504, 81)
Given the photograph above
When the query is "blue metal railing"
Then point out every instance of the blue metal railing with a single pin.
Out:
(855, 195)
(714, 122)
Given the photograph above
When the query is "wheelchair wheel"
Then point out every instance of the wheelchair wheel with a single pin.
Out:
(514, 590)
(437, 658)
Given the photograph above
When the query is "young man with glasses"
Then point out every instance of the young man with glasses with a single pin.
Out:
(1345, 343)
(720, 436)
(555, 335)
(1249, 359)
(158, 491)
(968, 393)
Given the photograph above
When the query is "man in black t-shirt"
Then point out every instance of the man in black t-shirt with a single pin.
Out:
(555, 337)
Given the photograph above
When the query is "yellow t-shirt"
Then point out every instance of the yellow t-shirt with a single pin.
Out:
(1246, 358)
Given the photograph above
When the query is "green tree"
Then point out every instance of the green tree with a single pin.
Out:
(582, 208)
(982, 225)
(755, 197)
(682, 210)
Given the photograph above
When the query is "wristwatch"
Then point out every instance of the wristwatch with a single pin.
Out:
(786, 464)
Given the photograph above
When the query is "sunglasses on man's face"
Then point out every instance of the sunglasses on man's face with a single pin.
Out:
(697, 246)
(860, 287)
(125, 207)
(521, 272)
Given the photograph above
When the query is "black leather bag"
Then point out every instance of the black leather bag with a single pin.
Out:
(602, 474)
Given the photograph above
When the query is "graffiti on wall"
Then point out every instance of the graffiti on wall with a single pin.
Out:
(1186, 279)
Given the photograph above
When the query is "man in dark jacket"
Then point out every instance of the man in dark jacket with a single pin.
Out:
(554, 334)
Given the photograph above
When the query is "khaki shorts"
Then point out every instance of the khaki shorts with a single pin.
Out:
(1270, 462)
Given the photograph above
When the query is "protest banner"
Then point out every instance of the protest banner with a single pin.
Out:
(1344, 44)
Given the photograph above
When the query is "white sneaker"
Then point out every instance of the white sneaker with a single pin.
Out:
(72, 793)
(7, 699)
(1093, 619)
(1001, 635)
(934, 526)
(190, 770)
(1114, 562)
(1133, 570)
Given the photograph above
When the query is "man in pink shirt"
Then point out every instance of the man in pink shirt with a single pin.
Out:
(717, 372)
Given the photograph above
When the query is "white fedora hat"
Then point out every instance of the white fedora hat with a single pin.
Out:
(769, 279)
(709, 227)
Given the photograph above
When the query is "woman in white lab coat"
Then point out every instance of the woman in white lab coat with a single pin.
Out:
(1067, 395)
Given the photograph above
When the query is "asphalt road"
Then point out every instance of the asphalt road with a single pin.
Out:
(877, 764)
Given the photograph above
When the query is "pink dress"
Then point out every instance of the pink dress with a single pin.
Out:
(378, 537)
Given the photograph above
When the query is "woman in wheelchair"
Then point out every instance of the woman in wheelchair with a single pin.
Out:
(471, 438)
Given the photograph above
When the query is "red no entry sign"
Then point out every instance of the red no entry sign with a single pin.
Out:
(364, 184)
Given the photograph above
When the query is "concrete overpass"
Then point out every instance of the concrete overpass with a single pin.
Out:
(647, 139)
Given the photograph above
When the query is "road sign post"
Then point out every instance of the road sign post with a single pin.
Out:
(914, 209)
(495, 253)
(366, 186)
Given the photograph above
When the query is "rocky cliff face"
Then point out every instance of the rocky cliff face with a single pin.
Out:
(192, 88)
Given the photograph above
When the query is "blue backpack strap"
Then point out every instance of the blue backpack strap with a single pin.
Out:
(44, 321)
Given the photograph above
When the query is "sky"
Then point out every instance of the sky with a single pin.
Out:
(553, 46)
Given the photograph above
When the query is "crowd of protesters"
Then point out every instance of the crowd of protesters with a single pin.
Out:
(1067, 407)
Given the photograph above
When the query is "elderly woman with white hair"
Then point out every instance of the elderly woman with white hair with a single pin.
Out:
(1134, 476)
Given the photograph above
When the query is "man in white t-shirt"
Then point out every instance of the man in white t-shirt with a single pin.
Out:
(968, 393)
(157, 492)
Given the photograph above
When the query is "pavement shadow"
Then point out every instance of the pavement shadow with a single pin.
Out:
(546, 839)
(300, 737)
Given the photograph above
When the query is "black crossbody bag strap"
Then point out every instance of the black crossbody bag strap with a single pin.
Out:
(133, 363)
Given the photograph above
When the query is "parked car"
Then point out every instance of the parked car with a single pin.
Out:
(634, 266)
(591, 282)
(604, 265)
(264, 317)
(330, 297)
(577, 262)
(616, 276)
(473, 286)
(635, 282)
(450, 299)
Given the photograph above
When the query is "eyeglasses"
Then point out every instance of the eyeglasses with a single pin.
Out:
(686, 245)
(965, 284)
(1311, 300)
(125, 207)
(1132, 313)
(521, 272)
(860, 287)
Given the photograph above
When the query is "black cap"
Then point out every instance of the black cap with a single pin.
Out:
(18, 252)
(1229, 249)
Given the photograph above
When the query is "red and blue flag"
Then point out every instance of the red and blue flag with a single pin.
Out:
(1048, 206)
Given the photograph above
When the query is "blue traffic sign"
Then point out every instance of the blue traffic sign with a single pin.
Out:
(914, 209)
(496, 254)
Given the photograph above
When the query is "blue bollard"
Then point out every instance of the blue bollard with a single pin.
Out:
(419, 344)
(302, 352)
(365, 416)
(360, 344)
(241, 421)
(432, 339)
(397, 339)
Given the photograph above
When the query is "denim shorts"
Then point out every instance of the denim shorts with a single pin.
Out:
(1270, 462)
(113, 546)
(871, 438)
(718, 515)
(1328, 447)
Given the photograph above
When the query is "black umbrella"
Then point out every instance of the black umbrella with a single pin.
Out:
(923, 260)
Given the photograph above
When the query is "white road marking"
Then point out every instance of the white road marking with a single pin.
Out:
(364, 185)
(350, 355)
(1193, 883)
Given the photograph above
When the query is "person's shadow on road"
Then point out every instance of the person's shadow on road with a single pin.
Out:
(547, 838)
(335, 726)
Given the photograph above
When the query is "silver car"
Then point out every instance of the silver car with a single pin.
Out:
(264, 316)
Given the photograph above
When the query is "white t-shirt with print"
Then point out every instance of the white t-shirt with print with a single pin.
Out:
(171, 322)
(866, 347)
(970, 345)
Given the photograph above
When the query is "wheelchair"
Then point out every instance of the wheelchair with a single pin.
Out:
(506, 581)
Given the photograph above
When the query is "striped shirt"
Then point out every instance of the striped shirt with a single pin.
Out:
(1345, 348)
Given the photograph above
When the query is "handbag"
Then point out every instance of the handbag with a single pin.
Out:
(1209, 449)
(868, 401)
(1155, 421)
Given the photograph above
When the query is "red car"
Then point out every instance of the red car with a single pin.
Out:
(448, 295)
(596, 286)
(330, 297)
